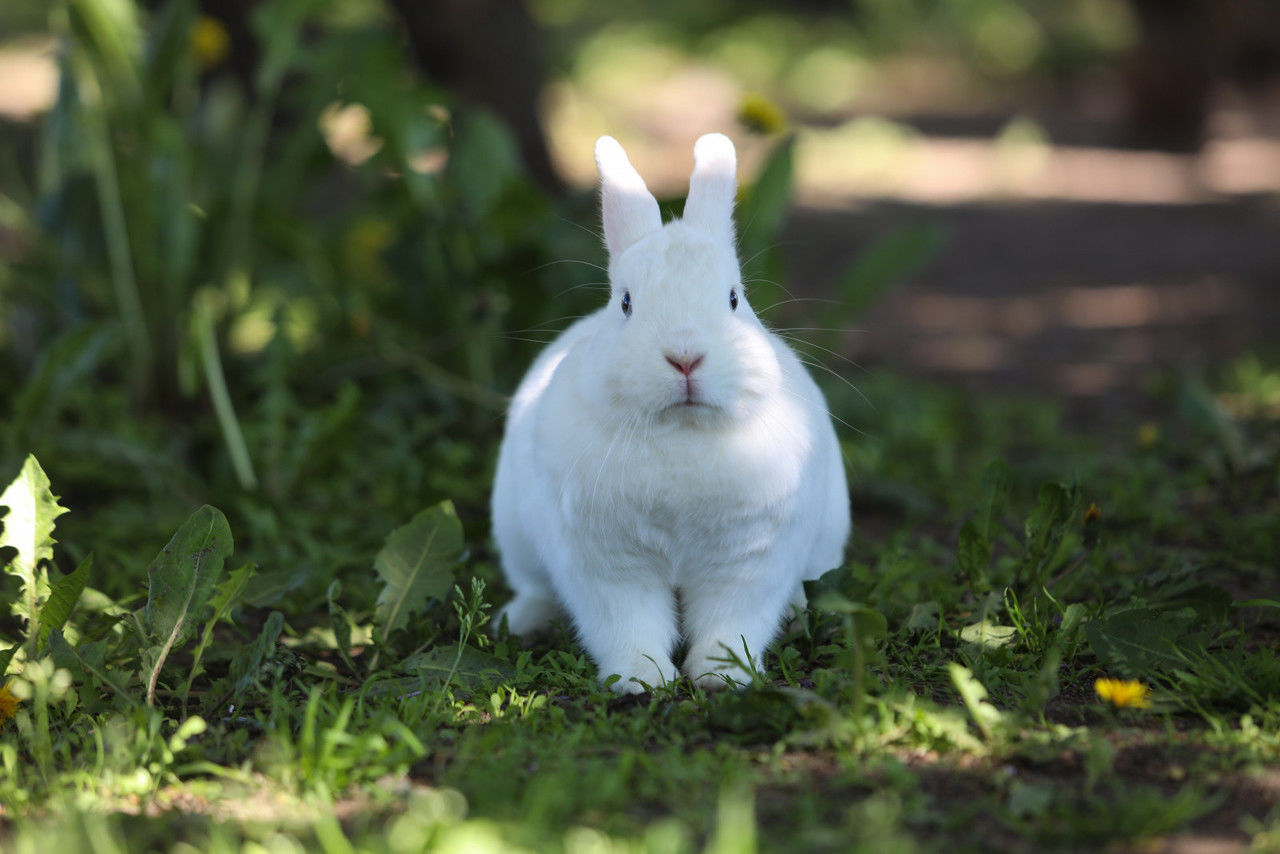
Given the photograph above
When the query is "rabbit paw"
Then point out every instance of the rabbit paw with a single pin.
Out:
(641, 671)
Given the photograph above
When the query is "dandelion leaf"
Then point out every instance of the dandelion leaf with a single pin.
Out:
(181, 580)
(446, 663)
(248, 661)
(63, 595)
(416, 565)
(973, 554)
(28, 530)
(183, 576)
(1138, 640)
(986, 716)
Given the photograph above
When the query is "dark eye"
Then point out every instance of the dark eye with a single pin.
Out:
(626, 303)
(733, 299)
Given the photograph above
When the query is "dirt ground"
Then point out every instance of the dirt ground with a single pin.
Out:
(1088, 302)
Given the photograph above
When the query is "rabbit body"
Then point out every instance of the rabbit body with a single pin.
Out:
(667, 460)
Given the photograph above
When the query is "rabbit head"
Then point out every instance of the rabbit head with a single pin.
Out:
(682, 343)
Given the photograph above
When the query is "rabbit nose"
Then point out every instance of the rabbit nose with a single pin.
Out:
(683, 363)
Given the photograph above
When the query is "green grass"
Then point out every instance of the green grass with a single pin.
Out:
(256, 400)
(919, 705)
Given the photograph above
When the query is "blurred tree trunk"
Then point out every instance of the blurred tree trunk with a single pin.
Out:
(1185, 48)
(484, 50)
(1170, 74)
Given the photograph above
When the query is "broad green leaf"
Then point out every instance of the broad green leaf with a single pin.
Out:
(1099, 759)
(416, 565)
(483, 161)
(974, 693)
(1053, 509)
(924, 617)
(446, 663)
(1046, 528)
(973, 554)
(227, 595)
(182, 578)
(248, 661)
(114, 35)
(230, 592)
(63, 595)
(995, 491)
(1139, 640)
(1030, 800)
(6, 656)
(765, 203)
(62, 370)
(989, 635)
(1072, 617)
(28, 528)
(62, 654)
(279, 27)
(886, 262)
(1203, 411)
(1210, 602)
(1044, 685)
(89, 657)
(869, 623)
(340, 623)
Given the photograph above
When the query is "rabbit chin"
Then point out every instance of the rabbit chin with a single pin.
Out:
(693, 413)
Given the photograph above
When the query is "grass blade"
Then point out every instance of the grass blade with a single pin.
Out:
(222, 405)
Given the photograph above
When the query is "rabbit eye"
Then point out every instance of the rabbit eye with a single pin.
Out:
(733, 300)
(626, 303)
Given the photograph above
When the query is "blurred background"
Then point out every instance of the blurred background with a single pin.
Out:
(290, 255)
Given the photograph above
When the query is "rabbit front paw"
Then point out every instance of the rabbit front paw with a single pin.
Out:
(639, 671)
(710, 667)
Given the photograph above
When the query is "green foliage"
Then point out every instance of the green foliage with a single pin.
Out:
(416, 565)
(888, 261)
(985, 716)
(182, 578)
(63, 595)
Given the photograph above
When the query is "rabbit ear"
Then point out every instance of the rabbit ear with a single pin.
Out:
(629, 210)
(712, 187)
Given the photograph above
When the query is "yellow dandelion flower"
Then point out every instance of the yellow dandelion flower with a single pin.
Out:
(1148, 434)
(209, 42)
(757, 113)
(1123, 693)
(8, 703)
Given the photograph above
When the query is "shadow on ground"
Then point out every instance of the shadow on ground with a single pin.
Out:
(1090, 303)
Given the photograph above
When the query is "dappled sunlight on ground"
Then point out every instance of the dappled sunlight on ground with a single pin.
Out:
(835, 166)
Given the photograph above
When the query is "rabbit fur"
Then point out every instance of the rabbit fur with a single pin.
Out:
(668, 463)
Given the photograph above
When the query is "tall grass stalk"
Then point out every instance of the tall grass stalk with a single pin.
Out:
(124, 282)
(207, 342)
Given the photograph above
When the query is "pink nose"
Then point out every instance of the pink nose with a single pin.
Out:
(684, 364)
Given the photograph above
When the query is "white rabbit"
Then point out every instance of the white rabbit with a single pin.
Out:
(667, 460)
